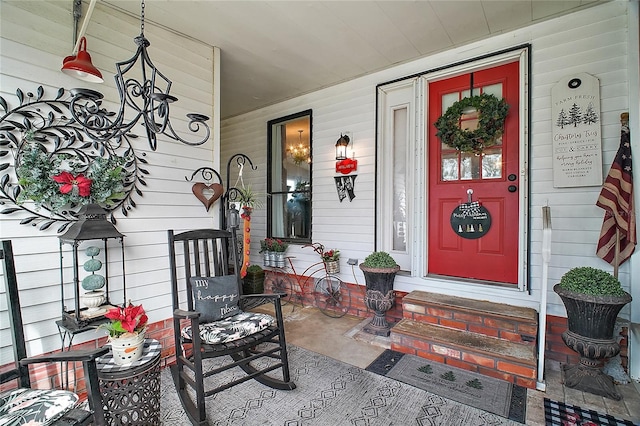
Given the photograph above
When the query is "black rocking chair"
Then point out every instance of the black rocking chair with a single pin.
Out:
(13, 404)
(205, 285)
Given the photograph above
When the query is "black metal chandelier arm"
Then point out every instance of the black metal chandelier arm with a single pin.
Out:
(196, 124)
(86, 108)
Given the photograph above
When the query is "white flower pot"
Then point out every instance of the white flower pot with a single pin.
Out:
(127, 349)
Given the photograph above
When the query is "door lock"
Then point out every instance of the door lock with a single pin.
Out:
(512, 188)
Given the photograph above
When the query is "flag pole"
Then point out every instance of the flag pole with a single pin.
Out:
(616, 259)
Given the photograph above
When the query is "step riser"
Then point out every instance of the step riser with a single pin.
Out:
(466, 359)
(512, 330)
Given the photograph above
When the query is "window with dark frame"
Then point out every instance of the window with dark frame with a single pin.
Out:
(289, 177)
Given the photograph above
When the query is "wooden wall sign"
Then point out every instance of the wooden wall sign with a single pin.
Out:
(577, 142)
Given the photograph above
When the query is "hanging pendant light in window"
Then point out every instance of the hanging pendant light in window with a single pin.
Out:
(299, 153)
(147, 100)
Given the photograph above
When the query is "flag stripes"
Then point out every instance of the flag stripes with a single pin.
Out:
(616, 198)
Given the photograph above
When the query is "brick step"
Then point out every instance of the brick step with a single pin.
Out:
(490, 356)
(513, 323)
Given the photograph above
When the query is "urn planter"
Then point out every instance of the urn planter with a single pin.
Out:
(379, 297)
(591, 322)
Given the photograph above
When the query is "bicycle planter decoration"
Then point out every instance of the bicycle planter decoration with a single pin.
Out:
(316, 285)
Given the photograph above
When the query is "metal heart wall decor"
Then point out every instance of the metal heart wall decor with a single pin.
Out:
(207, 194)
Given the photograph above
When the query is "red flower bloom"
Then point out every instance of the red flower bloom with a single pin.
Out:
(130, 319)
(69, 182)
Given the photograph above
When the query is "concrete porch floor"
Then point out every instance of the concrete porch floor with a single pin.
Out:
(342, 339)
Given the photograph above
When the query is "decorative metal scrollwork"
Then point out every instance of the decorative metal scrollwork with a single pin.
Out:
(50, 165)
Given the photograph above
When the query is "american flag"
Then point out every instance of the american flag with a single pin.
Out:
(616, 198)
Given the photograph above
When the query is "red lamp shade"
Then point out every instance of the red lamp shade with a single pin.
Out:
(80, 66)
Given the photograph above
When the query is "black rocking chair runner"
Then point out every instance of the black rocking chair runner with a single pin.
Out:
(210, 320)
(29, 405)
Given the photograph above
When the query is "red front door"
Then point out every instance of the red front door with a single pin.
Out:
(492, 179)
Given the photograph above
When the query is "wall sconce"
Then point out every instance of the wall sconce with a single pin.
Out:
(344, 164)
(341, 147)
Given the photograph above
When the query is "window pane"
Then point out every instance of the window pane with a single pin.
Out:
(399, 179)
(469, 166)
(492, 163)
(494, 89)
(289, 186)
(448, 100)
(450, 166)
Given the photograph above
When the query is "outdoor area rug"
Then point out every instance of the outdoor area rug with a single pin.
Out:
(486, 393)
(328, 393)
(561, 414)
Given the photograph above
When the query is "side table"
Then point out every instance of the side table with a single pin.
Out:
(131, 392)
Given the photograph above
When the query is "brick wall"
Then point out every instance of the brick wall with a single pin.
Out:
(43, 376)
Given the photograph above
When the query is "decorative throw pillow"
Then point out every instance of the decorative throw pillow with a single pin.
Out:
(215, 297)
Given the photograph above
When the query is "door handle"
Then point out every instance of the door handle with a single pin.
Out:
(512, 188)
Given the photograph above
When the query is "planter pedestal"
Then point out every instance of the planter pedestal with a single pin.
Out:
(591, 321)
(587, 375)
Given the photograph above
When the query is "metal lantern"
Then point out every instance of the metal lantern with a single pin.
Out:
(92, 225)
(341, 147)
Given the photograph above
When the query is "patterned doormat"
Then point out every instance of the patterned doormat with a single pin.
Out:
(486, 393)
(561, 414)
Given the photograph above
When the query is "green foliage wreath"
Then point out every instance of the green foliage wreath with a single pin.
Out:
(38, 169)
(492, 113)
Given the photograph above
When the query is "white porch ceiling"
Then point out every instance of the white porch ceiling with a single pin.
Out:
(276, 50)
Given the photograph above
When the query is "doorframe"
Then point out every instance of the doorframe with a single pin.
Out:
(418, 248)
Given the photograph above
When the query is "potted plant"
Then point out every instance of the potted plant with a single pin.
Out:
(253, 282)
(592, 298)
(274, 249)
(379, 270)
(126, 332)
(331, 259)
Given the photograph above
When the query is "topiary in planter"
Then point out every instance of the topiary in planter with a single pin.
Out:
(253, 282)
(379, 260)
(592, 281)
(592, 298)
(379, 270)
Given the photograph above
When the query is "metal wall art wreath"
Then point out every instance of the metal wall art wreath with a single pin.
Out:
(49, 167)
(491, 115)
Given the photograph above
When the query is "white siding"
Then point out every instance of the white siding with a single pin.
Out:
(592, 41)
(36, 35)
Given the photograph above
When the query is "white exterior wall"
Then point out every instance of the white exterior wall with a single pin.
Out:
(594, 41)
(35, 37)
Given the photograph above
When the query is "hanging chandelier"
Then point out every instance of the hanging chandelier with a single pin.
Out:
(299, 153)
(145, 101)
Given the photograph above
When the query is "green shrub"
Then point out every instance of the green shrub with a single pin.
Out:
(379, 259)
(254, 269)
(591, 281)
